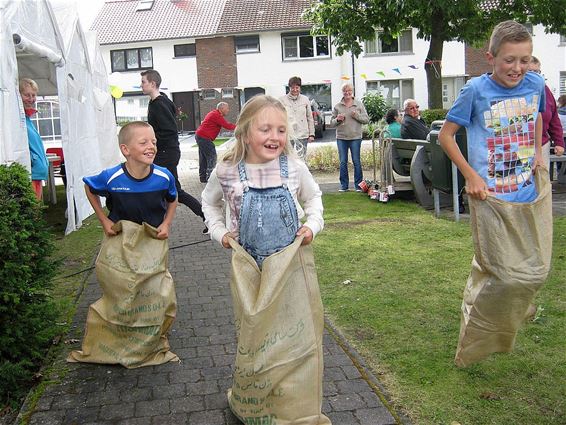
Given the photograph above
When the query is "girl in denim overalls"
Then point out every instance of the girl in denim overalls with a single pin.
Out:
(262, 181)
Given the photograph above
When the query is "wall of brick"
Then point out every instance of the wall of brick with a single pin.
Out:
(216, 68)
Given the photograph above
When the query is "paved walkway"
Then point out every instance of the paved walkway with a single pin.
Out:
(203, 336)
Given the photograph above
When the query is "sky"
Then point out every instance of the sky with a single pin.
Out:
(88, 9)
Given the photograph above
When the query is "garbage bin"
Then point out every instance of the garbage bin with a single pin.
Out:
(441, 164)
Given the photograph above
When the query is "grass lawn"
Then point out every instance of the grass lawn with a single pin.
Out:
(392, 278)
(219, 141)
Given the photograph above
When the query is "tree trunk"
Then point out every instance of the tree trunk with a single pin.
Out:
(433, 66)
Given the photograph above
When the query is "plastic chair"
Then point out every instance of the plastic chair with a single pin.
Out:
(58, 166)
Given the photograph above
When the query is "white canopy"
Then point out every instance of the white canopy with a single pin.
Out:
(43, 40)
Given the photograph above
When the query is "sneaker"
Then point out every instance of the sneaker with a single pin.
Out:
(359, 190)
(205, 230)
(342, 190)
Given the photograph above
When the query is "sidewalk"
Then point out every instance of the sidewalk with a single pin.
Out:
(203, 336)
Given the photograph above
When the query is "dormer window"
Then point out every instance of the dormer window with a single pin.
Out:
(144, 5)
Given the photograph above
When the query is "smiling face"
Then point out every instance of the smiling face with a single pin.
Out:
(295, 90)
(29, 95)
(140, 147)
(267, 136)
(511, 63)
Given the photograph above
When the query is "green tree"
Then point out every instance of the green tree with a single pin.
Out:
(350, 22)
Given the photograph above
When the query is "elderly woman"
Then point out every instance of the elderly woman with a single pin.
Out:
(393, 119)
(348, 116)
(39, 164)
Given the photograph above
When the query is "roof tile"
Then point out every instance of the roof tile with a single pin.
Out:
(119, 22)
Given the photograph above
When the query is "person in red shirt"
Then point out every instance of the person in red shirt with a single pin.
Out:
(205, 135)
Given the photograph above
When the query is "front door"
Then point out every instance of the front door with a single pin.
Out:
(186, 101)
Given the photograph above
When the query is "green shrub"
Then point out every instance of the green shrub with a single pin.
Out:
(27, 314)
(376, 105)
(430, 115)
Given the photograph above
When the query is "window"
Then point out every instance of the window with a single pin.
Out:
(304, 46)
(378, 46)
(562, 39)
(131, 108)
(247, 44)
(48, 120)
(319, 92)
(131, 59)
(562, 88)
(227, 93)
(394, 91)
(209, 94)
(144, 5)
(185, 50)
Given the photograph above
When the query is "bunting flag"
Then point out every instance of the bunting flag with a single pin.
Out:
(327, 81)
(364, 76)
(345, 77)
(397, 70)
(413, 67)
(381, 73)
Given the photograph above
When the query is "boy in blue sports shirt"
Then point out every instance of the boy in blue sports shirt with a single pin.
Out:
(501, 114)
(136, 190)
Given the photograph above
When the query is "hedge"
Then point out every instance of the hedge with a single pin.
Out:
(27, 314)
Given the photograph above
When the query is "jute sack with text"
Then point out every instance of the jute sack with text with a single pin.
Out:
(512, 253)
(279, 322)
(130, 323)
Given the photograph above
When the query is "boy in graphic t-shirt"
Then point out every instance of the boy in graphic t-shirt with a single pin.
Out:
(501, 114)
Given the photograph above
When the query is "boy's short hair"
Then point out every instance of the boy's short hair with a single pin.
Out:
(152, 76)
(507, 32)
(295, 81)
(28, 82)
(125, 133)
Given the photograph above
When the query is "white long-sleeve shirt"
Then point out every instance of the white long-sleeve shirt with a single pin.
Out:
(224, 185)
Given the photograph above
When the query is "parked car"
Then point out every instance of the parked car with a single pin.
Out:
(319, 121)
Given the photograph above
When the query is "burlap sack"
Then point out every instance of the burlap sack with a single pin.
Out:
(279, 321)
(512, 252)
(129, 324)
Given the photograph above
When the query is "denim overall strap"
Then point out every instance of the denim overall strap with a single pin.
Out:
(268, 217)
(243, 175)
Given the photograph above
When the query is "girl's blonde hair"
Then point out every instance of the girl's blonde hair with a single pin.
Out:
(252, 108)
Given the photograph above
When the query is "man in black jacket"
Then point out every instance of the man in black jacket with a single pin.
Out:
(161, 115)
(413, 127)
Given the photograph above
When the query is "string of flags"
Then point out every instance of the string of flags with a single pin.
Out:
(382, 73)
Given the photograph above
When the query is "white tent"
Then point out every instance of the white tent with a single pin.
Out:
(44, 41)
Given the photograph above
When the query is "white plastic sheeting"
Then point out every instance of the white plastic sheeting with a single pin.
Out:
(53, 50)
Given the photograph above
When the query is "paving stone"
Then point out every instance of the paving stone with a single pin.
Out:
(346, 402)
(202, 388)
(216, 401)
(352, 386)
(168, 391)
(136, 394)
(116, 411)
(53, 417)
(376, 416)
(152, 408)
(344, 418)
(80, 415)
(172, 419)
(210, 417)
(188, 404)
